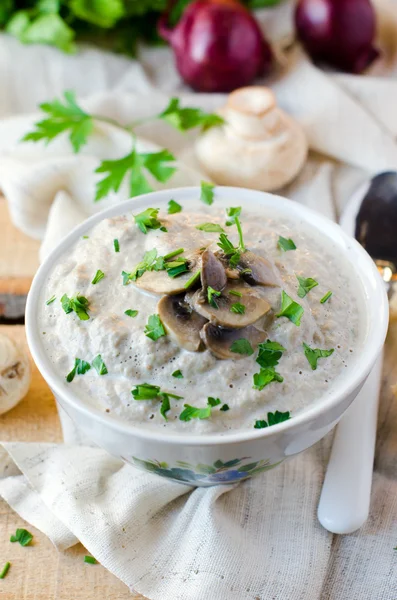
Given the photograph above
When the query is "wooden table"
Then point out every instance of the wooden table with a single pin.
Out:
(38, 572)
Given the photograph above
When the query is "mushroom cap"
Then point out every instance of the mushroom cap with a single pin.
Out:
(255, 307)
(14, 374)
(262, 270)
(212, 273)
(183, 325)
(159, 282)
(218, 339)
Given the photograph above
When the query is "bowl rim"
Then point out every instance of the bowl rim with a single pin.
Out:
(372, 346)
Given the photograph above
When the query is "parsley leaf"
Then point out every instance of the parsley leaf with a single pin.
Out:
(226, 245)
(232, 213)
(174, 207)
(242, 346)
(154, 328)
(90, 560)
(191, 412)
(51, 300)
(225, 407)
(5, 570)
(79, 305)
(266, 376)
(176, 267)
(207, 192)
(99, 365)
(313, 354)
(22, 536)
(98, 276)
(273, 419)
(188, 118)
(148, 263)
(192, 280)
(67, 116)
(237, 308)
(213, 401)
(148, 220)
(285, 244)
(147, 391)
(177, 374)
(80, 367)
(235, 293)
(210, 295)
(305, 285)
(326, 297)
(290, 309)
(269, 354)
(210, 228)
(131, 313)
(116, 245)
(165, 406)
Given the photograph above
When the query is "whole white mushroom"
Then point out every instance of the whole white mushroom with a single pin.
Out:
(259, 147)
(15, 375)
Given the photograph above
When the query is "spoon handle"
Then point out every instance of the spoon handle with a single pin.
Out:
(345, 497)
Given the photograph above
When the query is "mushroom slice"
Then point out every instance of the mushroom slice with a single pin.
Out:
(183, 325)
(220, 313)
(218, 340)
(212, 272)
(159, 282)
(260, 271)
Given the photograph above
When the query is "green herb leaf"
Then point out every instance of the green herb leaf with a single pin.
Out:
(103, 13)
(224, 408)
(290, 309)
(211, 294)
(266, 376)
(80, 367)
(174, 207)
(269, 354)
(79, 305)
(188, 118)
(232, 213)
(174, 253)
(85, 237)
(190, 412)
(148, 220)
(229, 250)
(207, 192)
(177, 374)
(273, 419)
(236, 293)
(165, 406)
(116, 245)
(148, 263)
(177, 267)
(22, 536)
(213, 401)
(51, 300)
(313, 354)
(305, 285)
(90, 560)
(145, 391)
(99, 365)
(67, 117)
(238, 308)
(285, 244)
(210, 228)
(326, 297)
(5, 570)
(98, 276)
(242, 346)
(131, 313)
(154, 328)
(192, 280)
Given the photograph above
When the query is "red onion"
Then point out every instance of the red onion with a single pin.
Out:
(218, 45)
(338, 32)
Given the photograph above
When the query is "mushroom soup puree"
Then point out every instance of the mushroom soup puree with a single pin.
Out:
(210, 333)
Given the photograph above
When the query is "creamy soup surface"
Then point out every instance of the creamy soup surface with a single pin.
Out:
(132, 358)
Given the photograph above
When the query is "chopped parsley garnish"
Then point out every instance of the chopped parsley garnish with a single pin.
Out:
(116, 245)
(213, 401)
(154, 328)
(131, 313)
(224, 408)
(313, 354)
(233, 253)
(273, 419)
(148, 220)
(165, 406)
(148, 263)
(192, 280)
(99, 365)
(5, 570)
(269, 354)
(98, 276)
(174, 207)
(236, 293)
(177, 374)
(305, 285)
(210, 228)
(189, 117)
(51, 300)
(326, 297)
(211, 294)
(177, 267)
(238, 308)
(290, 309)
(191, 412)
(79, 305)
(90, 560)
(242, 346)
(266, 376)
(207, 192)
(22, 536)
(232, 213)
(80, 367)
(85, 237)
(147, 391)
(173, 253)
(285, 244)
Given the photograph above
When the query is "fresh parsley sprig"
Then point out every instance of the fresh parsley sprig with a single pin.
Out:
(273, 419)
(313, 354)
(78, 304)
(147, 391)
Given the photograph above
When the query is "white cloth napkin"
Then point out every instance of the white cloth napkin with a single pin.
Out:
(261, 539)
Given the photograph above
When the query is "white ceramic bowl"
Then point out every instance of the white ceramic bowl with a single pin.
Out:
(212, 459)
